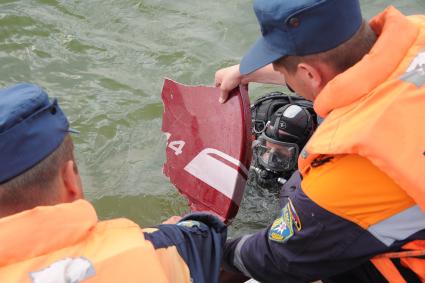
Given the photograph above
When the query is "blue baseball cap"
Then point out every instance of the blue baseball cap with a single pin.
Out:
(31, 127)
(300, 27)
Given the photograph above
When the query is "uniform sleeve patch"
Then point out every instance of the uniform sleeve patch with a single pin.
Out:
(283, 227)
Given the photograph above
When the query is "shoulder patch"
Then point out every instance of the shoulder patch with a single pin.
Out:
(283, 227)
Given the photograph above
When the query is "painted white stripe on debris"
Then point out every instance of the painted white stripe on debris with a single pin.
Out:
(218, 174)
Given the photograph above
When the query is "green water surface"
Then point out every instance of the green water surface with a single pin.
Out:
(105, 60)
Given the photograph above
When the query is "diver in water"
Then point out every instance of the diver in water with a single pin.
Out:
(281, 126)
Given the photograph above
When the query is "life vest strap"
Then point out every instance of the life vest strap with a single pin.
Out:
(410, 259)
(387, 268)
(404, 254)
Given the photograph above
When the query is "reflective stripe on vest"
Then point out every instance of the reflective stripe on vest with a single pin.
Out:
(399, 226)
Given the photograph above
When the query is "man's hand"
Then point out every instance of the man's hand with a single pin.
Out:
(172, 220)
(227, 79)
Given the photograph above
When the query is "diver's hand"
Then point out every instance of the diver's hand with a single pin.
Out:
(227, 79)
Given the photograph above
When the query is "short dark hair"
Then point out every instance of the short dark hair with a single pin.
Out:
(341, 57)
(35, 186)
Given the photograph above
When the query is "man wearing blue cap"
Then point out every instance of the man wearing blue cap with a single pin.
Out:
(50, 234)
(357, 213)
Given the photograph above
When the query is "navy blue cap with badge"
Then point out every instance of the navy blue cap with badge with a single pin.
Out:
(31, 127)
(300, 27)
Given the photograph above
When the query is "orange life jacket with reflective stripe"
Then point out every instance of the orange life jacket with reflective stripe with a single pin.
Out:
(48, 244)
(376, 110)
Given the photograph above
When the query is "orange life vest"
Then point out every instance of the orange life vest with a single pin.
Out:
(376, 109)
(49, 244)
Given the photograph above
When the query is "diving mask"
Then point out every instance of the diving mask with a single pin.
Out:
(274, 155)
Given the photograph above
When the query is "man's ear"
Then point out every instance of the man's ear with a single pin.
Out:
(311, 76)
(71, 182)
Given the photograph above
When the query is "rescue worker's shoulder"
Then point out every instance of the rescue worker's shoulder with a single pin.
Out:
(351, 187)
